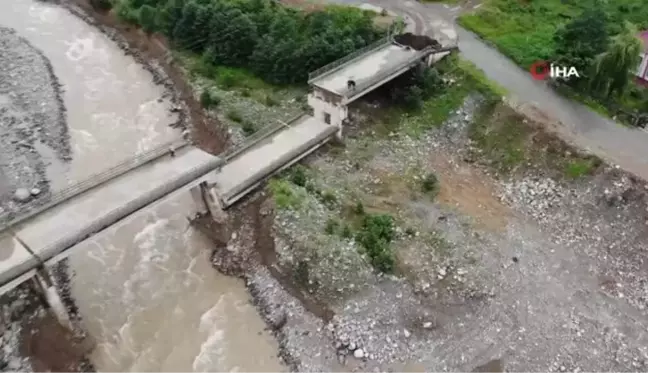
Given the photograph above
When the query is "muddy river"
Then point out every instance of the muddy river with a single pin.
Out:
(114, 110)
(145, 289)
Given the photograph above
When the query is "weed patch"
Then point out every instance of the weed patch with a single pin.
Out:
(375, 236)
(285, 196)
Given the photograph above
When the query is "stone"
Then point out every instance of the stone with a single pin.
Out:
(35, 191)
(352, 346)
(407, 333)
(427, 325)
(359, 353)
(21, 195)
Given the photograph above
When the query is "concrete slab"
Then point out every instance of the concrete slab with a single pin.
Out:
(78, 217)
(378, 62)
(270, 154)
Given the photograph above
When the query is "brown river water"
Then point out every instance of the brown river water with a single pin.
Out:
(146, 292)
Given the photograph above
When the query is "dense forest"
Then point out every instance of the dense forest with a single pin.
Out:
(279, 44)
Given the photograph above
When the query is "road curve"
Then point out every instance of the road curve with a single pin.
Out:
(626, 147)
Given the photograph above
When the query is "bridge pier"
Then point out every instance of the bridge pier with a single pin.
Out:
(45, 285)
(207, 201)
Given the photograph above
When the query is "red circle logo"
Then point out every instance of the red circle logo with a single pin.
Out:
(540, 70)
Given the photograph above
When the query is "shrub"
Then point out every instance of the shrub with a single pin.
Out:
(234, 116)
(346, 231)
(331, 226)
(248, 128)
(359, 208)
(298, 176)
(329, 198)
(206, 99)
(430, 183)
(227, 79)
(301, 273)
(245, 92)
(271, 101)
(284, 196)
(101, 5)
(375, 236)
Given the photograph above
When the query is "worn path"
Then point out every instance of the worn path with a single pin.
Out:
(620, 145)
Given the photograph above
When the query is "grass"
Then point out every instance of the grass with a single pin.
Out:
(234, 116)
(509, 141)
(578, 168)
(285, 195)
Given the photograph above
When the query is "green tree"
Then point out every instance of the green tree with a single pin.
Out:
(147, 18)
(232, 37)
(613, 69)
(192, 30)
(581, 40)
(169, 15)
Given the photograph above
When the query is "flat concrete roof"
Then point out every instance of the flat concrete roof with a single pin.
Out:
(380, 60)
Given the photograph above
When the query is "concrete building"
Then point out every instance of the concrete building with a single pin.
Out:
(335, 86)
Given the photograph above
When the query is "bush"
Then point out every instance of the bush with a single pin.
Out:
(207, 99)
(346, 231)
(248, 128)
(227, 79)
(375, 236)
(284, 196)
(430, 183)
(331, 226)
(298, 176)
(101, 5)
(359, 208)
(329, 199)
(302, 273)
(245, 92)
(234, 116)
(271, 101)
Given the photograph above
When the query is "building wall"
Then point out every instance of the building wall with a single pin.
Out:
(324, 103)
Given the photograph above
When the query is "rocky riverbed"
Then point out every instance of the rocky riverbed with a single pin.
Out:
(33, 130)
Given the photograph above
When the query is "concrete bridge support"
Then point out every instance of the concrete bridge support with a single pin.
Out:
(208, 201)
(54, 301)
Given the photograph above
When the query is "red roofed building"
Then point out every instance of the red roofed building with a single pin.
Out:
(642, 70)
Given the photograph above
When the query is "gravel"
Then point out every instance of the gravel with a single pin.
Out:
(32, 116)
(559, 287)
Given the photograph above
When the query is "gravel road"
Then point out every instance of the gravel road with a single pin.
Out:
(33, 130)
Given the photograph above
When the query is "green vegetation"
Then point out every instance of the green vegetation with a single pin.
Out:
(234, 116)
(430, 184)
(508, 141)
(577, 168)
(285, 196)
(597, 37)
(248, 127)
(279, 44)
(375, 236)
(298, 175)
(332, 226)
(207, 99)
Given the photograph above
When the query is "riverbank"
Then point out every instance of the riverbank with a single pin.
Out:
(32, 108)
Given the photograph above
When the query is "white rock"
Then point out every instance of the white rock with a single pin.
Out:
(359, 353)
(352, 346)
(407, 333)
(427, 325)
(35, 191)
(21, 195)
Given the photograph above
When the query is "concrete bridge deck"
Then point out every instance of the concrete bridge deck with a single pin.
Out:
(370, 69)
(43, 236)
(247, 170)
